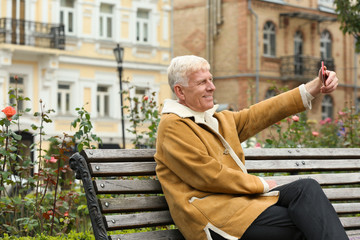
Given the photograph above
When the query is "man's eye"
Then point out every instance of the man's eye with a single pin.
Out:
(202, 82)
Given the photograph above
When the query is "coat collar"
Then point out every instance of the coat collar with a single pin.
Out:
(173, 106)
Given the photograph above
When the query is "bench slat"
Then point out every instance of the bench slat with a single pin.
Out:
(119, 155)
(173, 234)
(323, 179)
(353, 234)
(104, 169)
(347, 208)
(137, 220)
(342, 193)
(99, 169)
(287, 165)
(132, 204)
(301, 153)
(350, 222)
(127, 186)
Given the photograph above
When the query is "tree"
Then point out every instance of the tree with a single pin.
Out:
(349, 16)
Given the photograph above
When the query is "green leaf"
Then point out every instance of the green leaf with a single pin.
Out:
(12, 148)
(81, 207)
(80, 147)
(16, 136)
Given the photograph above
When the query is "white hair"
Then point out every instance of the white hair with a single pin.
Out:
(180, 68)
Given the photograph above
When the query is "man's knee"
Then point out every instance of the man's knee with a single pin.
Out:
(309, 184)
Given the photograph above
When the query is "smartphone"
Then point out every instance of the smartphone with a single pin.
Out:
(322, 72)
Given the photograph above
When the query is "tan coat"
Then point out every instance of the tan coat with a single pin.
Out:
(204, 186)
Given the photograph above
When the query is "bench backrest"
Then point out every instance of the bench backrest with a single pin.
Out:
(123, 193)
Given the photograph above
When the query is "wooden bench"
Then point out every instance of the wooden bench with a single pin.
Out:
(131, 196)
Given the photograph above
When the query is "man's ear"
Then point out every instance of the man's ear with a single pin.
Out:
(179, 92)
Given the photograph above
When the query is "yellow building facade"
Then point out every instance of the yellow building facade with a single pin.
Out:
(62, 53)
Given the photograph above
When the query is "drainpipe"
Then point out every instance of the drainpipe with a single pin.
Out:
(257, 50)
(355, 79)
(172, 30)
(209, 32)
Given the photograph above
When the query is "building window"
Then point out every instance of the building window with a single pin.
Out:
(325, 45)
(269, 39)
(67, 15)
(102, 101)
(17, 90)
(106, 20)
(63, 99)
(358, 105)
(142, 26)
(329, 3)
(327, 108)
(298, 51)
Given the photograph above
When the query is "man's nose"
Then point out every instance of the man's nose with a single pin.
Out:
(211, 86)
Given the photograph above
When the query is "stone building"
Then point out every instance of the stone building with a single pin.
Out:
(254, 45)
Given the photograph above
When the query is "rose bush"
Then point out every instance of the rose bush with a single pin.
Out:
(144, 118)
(37, 195)
(299, 131)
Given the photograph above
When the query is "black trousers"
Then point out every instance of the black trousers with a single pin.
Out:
(303, 212)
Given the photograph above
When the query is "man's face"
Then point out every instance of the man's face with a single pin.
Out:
(198, 95)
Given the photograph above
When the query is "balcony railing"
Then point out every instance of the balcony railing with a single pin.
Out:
(21, 32)
(302, 67)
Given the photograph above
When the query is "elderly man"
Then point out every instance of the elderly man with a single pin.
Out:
(200, 164)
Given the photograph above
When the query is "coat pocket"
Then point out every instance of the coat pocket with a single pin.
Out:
(218, 209)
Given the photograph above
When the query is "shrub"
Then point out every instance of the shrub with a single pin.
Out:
(298, 131)
(37, 196)
(144, 118)
(71, 236)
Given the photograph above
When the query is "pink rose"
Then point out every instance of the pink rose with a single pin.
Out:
(257, 145)
(295, 118)
(315, 134)
(327, 120)
(52, 160)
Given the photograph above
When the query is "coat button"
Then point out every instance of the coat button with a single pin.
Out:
(226, 151)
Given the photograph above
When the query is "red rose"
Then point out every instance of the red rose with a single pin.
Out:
(146, 98)
(9, 112)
